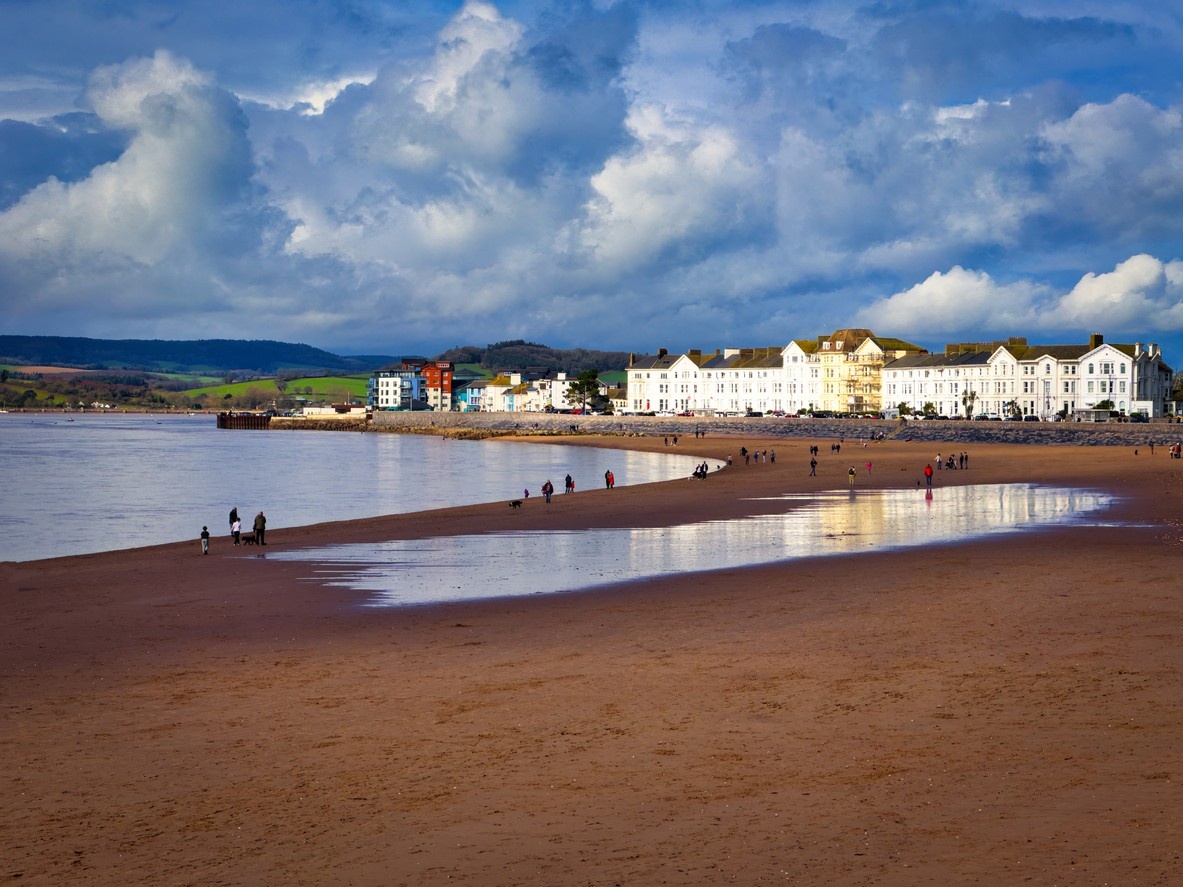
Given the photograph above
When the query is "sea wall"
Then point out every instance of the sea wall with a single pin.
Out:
(1052, 433)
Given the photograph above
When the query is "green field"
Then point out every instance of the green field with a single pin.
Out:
(335, 388)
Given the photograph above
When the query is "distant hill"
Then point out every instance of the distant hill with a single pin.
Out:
(268, 358)
(215, 356)
(522, 355)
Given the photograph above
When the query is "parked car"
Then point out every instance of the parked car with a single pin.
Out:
(1030, 418)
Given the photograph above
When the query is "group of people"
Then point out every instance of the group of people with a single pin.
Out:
(701, 471)
(259, 527)
(961, 460)
(548, 489)
(757, 455)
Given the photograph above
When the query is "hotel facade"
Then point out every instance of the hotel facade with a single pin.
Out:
(853, 371)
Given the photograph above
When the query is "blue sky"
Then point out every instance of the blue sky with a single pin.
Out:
(380, 177)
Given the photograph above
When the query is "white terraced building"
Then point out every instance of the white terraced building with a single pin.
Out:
(855, 371)
(836, 373)
(1039, 380)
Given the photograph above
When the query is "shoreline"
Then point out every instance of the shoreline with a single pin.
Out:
(991, 710)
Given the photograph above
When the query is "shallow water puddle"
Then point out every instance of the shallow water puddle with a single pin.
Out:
(514, 563)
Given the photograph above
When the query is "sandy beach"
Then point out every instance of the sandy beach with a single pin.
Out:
(1000, 711)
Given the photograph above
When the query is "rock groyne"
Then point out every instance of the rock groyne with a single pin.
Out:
(479, 425)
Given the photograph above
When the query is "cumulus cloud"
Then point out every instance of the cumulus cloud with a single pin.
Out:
(957, 299)
(1141, 295)
(1117, 167)
(1140, 288)
(186, 157)
(682, 186)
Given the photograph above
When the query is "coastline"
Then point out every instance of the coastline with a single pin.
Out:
(999, 709)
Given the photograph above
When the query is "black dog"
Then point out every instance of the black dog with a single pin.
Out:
(516, 503)
(249, 539)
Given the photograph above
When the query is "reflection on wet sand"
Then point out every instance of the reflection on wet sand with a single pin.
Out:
(837, 523)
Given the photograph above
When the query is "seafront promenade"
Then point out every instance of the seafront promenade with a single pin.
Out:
(949, 431)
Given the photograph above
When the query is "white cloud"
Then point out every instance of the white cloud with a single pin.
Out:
(958, 299)
(1141, 296)
(1140, 293)
(1118, 168)
(467, 42)
(187, 156)
(310, 97)
(681, 184)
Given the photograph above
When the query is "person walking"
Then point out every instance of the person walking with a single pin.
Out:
(850, 474)
(813, 467)
(236, 530)
(928, 474)
(260, 528)
(205, 540)
(233, 516)
(547, 489)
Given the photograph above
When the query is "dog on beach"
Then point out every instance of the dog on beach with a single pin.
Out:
(516, 503)
(249, 539)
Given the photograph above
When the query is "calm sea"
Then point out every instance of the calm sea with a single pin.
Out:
(103, 482)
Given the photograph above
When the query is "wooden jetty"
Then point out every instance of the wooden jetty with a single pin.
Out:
(244, 421)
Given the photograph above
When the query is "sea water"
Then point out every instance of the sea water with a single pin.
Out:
(511, 564)
(80, 483)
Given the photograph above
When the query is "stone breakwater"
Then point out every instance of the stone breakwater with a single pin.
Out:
(483, 425)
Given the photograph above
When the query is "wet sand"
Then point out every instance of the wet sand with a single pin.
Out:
(999, 711)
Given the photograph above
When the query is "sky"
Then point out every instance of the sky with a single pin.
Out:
(399, 178)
